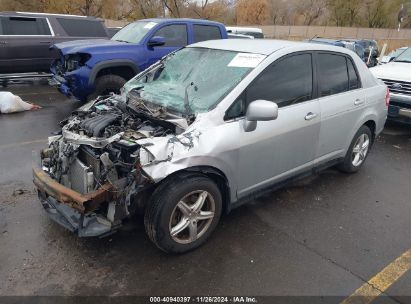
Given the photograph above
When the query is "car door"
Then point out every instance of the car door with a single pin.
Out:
(341, 100)
(25, 43)
(286, 146)
(175, 36)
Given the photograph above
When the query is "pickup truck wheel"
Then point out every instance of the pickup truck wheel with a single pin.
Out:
(106, 84)
(183, 212)
(358, 151)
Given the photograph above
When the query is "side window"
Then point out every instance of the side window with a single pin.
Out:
(354, 82)
(287, 81)
(174, 35)
(82, 28)
(333, 74)
(24, 26)
(206, 32)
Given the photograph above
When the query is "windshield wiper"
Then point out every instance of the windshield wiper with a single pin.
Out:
(408, 61)
(122, 41)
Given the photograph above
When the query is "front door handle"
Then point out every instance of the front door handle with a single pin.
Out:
(358, 102)
(45, 42)
(310, 115)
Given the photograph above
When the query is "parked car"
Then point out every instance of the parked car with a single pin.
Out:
(397, 76)
(371, 51)
(25, 38)
(87, 69)
(248, 31)
(356, 48)
(392, 55)
(239, 36)
(353, 46)
(203, 131)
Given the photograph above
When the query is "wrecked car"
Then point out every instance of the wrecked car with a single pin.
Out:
(204, 130)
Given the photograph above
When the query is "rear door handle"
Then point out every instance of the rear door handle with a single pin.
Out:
(45, 42)
(358, 102)
(310, 115)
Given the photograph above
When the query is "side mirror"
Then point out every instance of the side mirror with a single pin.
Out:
(259, 110)
(156, 41)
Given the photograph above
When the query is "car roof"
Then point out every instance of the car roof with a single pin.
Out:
(326, 41)
(247, 29)
(265, 46)
(31, 14)
(162, 20)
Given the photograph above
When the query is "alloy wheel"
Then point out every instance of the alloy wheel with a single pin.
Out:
(360, 150)
(192, 217)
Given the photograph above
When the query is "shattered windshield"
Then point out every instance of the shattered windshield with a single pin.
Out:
(194, 80)
(133, 32)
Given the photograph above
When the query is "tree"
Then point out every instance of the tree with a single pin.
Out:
(175, 7)
(311, 10)
(375, 13)
(140, 9)
(344, 12)
(252, 11)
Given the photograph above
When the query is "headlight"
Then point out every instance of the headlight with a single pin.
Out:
(75, 61)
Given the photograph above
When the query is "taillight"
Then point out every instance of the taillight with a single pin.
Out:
(387, 98)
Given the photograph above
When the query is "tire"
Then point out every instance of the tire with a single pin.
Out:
(106, 84)
(165, 211)
(351, 164)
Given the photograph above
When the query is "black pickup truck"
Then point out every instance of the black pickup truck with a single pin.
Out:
(25, 38)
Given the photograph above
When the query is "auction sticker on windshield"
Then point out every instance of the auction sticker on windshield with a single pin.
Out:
(150, 25)
(246, 60)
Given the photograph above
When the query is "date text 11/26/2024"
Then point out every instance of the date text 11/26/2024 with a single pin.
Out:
(205, 299)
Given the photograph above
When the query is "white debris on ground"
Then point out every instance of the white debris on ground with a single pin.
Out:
(10, 103)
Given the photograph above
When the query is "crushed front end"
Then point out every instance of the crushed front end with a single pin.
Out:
(90, 177)
(71, 75)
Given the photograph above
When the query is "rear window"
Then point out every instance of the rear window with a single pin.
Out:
(82, 28)
(334, 74)
(24, 26)
(206, 32)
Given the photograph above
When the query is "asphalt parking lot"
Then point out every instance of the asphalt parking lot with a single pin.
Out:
(328, 235)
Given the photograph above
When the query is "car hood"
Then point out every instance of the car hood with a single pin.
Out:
(400, 71)
(90, 46)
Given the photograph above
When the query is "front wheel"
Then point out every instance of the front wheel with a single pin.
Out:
(358, 151)
(183, 212)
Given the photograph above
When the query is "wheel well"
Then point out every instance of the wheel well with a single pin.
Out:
(371, 124)
(123, 71)
(215, 175)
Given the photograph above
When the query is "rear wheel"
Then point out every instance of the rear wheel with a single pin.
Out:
(183, 213)
(358, 151)
(106, 84)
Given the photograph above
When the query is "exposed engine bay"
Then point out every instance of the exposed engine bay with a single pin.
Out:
(99, 148)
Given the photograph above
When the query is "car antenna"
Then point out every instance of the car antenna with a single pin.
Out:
(314, 37)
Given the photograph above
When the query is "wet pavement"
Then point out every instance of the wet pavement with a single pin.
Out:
(324, 236)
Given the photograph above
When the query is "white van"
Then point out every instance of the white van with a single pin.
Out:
(249, 31)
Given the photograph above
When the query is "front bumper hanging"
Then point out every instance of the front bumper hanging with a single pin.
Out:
(71, 209)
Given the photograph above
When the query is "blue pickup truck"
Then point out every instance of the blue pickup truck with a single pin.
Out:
(90, 68)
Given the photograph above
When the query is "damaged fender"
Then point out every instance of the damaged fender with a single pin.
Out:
(162, 157)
